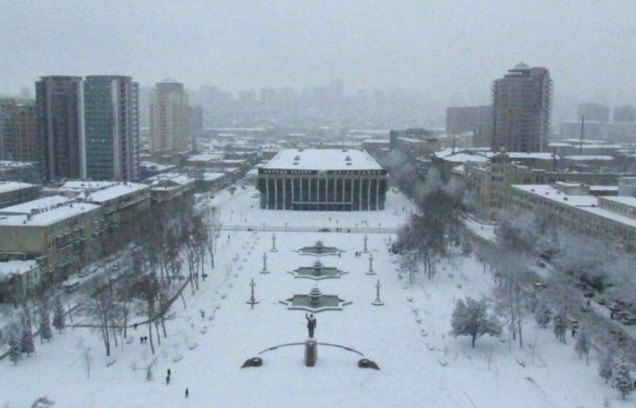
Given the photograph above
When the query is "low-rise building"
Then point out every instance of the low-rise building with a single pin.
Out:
(15, 192)
(322, 180)
(56, 231)
(572, 206)
(120, 202)
(171, 188)
(490, 183)
(18, 280)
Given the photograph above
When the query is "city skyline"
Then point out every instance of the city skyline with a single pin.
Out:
(428, 48)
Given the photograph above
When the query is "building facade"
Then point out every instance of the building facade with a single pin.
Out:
(571, 205)
(55, 231)
(624, 114)
(111, 111)
(169, 118)
(60, 117)
(322, 180)
(593, 111)
(522, 103)
(490, 183)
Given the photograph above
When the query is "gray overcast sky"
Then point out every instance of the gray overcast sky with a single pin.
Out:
(451, 49)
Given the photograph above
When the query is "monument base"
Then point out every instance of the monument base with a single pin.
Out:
(311, 352)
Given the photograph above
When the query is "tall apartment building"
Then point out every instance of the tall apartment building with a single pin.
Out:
(624, 114)
(522, 102)
(594, 112)
(111, 116)
(476, 119)
(18, 131)
(169, 118)
(60, 116)
(7, 106)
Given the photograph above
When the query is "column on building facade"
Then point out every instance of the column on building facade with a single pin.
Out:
(377, 194)
(267, 193)
(369, 194)
(352, 193)
(360, 196)
(309, 190)
(344, 196)
(276, 193)
(293, 191)
(302, 197)
(284, 193)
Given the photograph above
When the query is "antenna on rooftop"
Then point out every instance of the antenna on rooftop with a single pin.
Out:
(582, 132)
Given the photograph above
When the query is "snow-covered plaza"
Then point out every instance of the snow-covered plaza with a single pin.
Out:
(422, 365)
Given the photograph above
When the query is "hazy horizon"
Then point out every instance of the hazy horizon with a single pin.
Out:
(450, 51)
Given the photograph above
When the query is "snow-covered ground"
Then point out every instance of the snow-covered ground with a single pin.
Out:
(408, 337)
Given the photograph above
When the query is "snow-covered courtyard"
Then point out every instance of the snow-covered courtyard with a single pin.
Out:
(408, 337)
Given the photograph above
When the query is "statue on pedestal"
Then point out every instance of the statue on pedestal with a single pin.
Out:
(311, 324)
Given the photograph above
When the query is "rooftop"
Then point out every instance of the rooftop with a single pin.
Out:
(16, 267)
(7, 186)
(103, 191)
(43, 211)
(323, 159)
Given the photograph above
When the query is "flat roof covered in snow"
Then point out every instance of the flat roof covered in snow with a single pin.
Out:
(16, 267)
(322, 160)
(7, 186)
(44, 211)
(103, 191)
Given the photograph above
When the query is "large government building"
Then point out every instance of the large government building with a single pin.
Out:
(322, 180)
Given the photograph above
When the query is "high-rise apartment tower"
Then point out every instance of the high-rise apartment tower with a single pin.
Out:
(60, 118)
(169, 118)
(522, 102)
(111, 115)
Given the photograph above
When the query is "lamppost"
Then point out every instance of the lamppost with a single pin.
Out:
(264, 271)
(377, 301)
(252, 300)
(370, 272)
(274, 243)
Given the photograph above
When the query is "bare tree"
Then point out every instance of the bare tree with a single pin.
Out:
(100, 304)
(147, 288)
(213, 228)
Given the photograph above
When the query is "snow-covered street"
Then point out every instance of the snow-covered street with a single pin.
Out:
(408, 337)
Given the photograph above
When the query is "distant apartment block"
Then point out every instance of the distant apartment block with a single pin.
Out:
(60, 116)
(522, 102)
(18, 136)
(111, 109)
(624, 114)
(592, 111)
(169, 118)
(475, 119)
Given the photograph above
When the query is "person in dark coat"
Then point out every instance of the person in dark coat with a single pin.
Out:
(311, 324)
(187, 393)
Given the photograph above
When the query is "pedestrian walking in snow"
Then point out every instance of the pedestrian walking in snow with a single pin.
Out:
(187, 393)
(167, 380)
(169, 372)
(141, 340)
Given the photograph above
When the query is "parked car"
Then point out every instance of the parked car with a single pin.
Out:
(70, 285)
(84, 273)
(540, 285)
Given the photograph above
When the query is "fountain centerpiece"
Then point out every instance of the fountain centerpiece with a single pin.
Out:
(319, 249)
(315, 302)
(317, 272)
